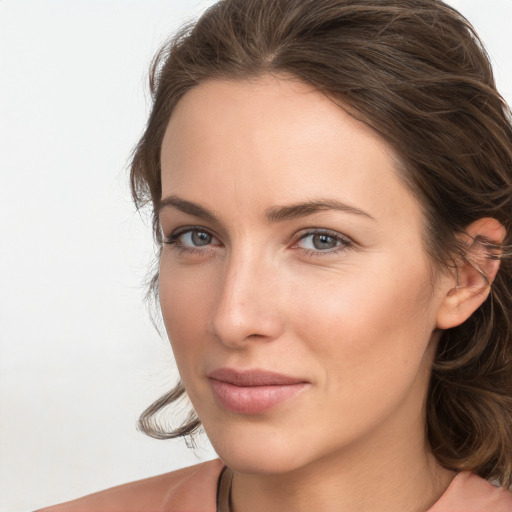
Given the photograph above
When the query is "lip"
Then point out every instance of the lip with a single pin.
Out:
(253, 391)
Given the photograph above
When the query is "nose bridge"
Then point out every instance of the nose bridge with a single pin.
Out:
(246, 300)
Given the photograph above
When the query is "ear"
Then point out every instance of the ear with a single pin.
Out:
(471, 283)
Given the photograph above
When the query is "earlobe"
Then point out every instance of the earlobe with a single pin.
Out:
(474, 274)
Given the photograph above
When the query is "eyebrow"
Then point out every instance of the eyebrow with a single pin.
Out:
(293, 211)
(186, 207)
(274, 214)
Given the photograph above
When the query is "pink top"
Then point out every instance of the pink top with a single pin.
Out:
(194, 489)
(470, 493)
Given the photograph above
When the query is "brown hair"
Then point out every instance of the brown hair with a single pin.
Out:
(416, 72)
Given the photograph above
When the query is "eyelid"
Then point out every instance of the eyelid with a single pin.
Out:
(182, 230)
(345, 241)
(303, 233)
(322, 231)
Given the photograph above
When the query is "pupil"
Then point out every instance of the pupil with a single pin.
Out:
(200, 238)
(324, 242)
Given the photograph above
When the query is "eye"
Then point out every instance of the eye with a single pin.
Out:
(191, 239)
(196, 238)
(314, 242)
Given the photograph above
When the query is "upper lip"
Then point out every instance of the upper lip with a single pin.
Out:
(253, 377)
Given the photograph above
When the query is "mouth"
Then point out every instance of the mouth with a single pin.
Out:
(253, 391)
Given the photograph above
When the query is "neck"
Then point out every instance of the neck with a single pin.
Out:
(387, 472)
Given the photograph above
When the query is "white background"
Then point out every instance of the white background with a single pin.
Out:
(79, 358)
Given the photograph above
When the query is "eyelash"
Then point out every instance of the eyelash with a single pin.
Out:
(174, 239)
(343, 241)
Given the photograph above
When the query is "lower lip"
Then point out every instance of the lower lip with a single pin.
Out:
(253, 399)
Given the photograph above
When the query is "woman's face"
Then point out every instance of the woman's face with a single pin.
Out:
(294, 286)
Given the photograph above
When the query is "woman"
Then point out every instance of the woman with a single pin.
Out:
(331, 184)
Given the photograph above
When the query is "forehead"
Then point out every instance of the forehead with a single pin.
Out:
(280, 109)
(277, 140)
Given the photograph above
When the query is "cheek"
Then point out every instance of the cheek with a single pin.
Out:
(184, 302)
(366, 325)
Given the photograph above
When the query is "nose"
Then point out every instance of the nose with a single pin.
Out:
(248, 302)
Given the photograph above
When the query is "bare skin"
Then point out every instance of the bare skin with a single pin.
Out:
(338, 294)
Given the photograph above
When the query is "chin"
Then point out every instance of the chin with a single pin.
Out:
(259, 450)
(259, 462)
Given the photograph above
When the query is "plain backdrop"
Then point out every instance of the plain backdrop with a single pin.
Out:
(79, 357)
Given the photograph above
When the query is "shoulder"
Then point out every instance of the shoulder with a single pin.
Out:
(189, 489)
(470, 493)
